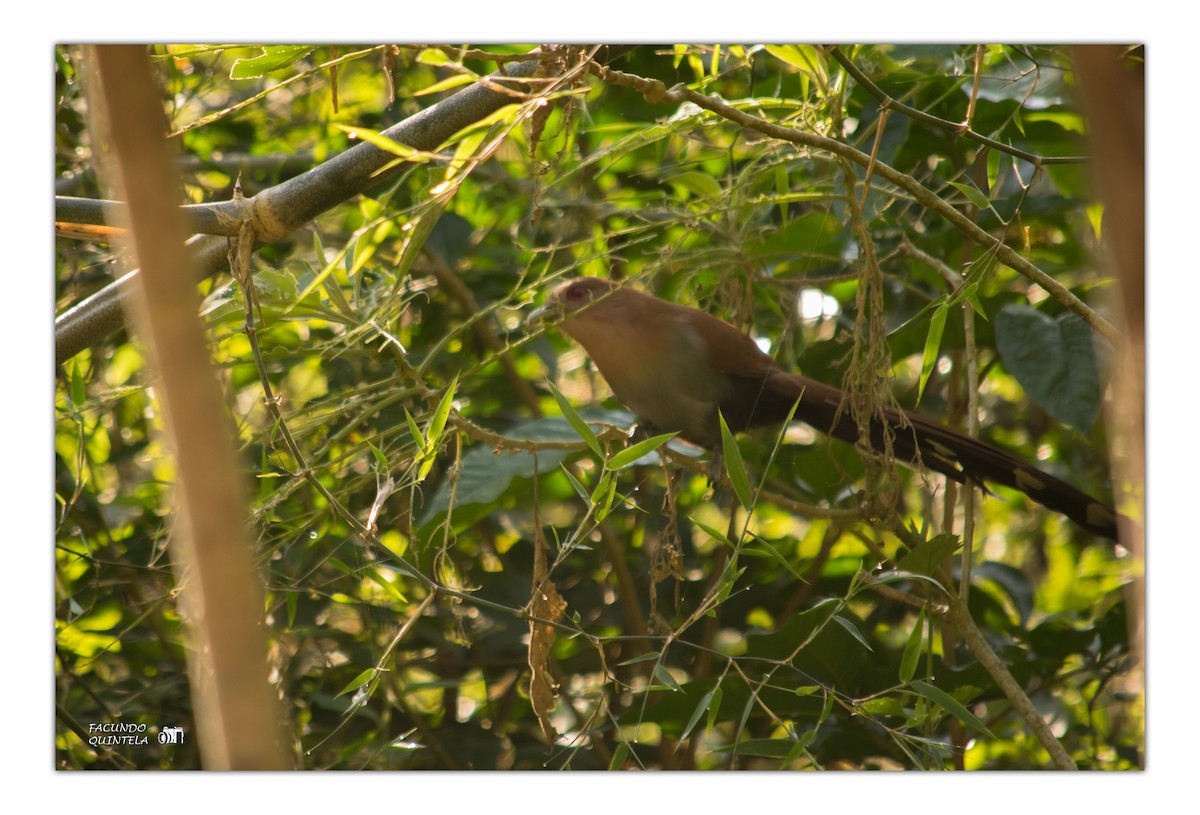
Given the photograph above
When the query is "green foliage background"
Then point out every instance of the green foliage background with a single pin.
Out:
(689, 639)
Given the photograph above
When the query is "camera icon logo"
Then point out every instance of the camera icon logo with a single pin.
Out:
(170, 735)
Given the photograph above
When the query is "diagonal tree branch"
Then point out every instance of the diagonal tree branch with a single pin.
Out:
(278, 211)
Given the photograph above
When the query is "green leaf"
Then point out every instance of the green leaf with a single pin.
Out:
(912, 649)
(576, 485)
(1054, 360)
(272, 58)
(952, 706)
(653, 655)
(577, 423)
(620, 754)
(433, 56)
(601, 497)
(854, 632)
(734, 466)
(387, 145)
(993, 168)
(417, 436)
(630, 455)
(381, 462)
(805, 58)
(446, 84)
(78, 386)
(973, 194)
(702, 185)
(710, 531)
(928, 556)
(701, 708)
(358, 681)
(664, 676)
(486, 478)
(775, 555)
(933, 344)
(765, 748)
(433, 433)
(714, 708)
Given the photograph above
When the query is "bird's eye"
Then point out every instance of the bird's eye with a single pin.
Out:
(576, 293)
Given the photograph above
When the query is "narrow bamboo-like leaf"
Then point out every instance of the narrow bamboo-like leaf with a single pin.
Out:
(626, 457)
(663, 675)
(912, 649)
(386, 144)
(899, 575)
(774, 554)
(619, 756)
(580, 426)
(381, 461)
(993, 168)
(419, 230)
(653, 655)
(715, 534)
(358, 681)
(734, 466)
(714, 708)
(437, 423)
(973, 194)
(603, 486)
(417, 436)
(446, 84)
(701, 709)
(952, 706)
(854, 632)
(78, 386)
(765, 748)
(933, 343)
(575, 484)
(433, 433)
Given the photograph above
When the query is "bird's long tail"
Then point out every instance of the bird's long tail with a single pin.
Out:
(924, 442)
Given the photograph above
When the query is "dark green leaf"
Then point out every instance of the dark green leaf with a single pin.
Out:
(912, 649)
(928, 556)
(933, 344)
(735, 467)
(853, 629)
(1054, 360)
(358, 681)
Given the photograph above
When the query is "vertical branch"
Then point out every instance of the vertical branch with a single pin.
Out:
(237, 711)
(960, 618)
(1113, 91)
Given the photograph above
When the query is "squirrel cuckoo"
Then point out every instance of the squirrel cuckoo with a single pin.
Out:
(675, 366)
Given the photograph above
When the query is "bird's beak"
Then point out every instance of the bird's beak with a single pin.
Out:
(542, 316)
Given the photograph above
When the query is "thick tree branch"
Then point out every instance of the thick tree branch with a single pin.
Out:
(237, 711)
(278, 211)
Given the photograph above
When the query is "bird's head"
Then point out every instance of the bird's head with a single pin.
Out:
(569, 298)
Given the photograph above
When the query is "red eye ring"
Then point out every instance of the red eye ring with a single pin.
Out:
(575, 293)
